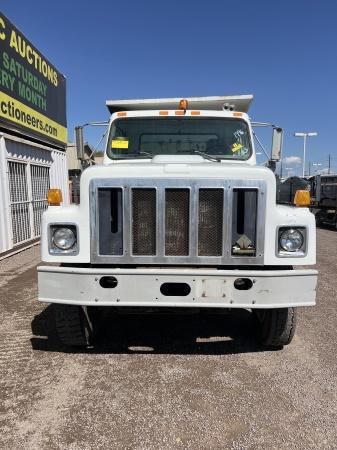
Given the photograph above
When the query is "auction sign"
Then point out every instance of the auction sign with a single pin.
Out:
(32, 91)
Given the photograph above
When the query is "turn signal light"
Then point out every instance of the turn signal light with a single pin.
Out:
(302, 198)
(55, 197)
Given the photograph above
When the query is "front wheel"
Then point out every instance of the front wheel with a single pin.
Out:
(73, 325)
(276, 326)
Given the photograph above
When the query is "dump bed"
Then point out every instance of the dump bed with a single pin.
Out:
(324, 191)
(214, 103)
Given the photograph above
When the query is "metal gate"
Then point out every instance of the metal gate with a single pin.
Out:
(28, 188)
(40, 185)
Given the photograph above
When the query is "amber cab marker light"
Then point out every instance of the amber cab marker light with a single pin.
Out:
(163, 113)
(121, 114)
(195, 113)
(54, 197)
(237, 114)
(302, 198)
(183, 104)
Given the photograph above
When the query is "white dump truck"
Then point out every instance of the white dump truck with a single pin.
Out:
(179, 216)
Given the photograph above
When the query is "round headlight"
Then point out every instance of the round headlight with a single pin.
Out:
(291, 240)
(64, 238)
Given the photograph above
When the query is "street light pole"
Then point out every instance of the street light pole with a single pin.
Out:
(304, 136)
(316, 165)
(304, 153)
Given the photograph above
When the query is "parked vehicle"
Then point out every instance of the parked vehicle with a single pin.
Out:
(324, 199)
(286, 189)
(179, 216)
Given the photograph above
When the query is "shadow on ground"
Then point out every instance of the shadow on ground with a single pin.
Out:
(323, 226)
(204, 332)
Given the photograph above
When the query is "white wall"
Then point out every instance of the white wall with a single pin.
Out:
(5, 222)
(21, 150)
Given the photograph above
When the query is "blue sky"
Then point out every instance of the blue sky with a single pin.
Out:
(282, 52)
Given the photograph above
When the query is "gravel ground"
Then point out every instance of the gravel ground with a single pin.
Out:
(166, 382)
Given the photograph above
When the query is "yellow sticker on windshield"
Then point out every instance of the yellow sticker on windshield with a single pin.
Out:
(119, 143)
(236, 147)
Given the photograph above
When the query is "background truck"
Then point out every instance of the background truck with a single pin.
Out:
(179, 216)
(324, 199)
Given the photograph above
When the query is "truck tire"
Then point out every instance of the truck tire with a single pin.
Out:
(276, 326)
(73, 325)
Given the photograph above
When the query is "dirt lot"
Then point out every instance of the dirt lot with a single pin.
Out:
(166, 382)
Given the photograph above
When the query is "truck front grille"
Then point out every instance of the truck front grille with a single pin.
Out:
(210, 230)
(144, 221)
(213, 222)
(177, 219)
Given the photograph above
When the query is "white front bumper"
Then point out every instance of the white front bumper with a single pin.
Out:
(209, 288)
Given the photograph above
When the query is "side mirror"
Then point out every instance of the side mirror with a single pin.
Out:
(276, 147)
(79, 140)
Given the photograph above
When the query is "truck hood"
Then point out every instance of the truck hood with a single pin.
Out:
(184, 166)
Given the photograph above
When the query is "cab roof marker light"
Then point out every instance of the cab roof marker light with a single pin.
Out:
(183, 104)
(180, 113)
(163, 113)
(121, 114)
(195, 113)
(237, 114)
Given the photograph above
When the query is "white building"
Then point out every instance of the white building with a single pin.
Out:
(27, 171)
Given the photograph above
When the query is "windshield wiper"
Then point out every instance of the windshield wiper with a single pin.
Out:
(206, 156)
(146, 154)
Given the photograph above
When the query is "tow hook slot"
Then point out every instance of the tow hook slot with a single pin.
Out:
(175, 289)
(243, 284)
(108, 282)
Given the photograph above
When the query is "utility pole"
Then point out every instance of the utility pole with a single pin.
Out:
(289, 169)
(309, 165)
(329, 165)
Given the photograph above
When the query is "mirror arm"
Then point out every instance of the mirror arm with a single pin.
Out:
(79, 140)
(260, 144)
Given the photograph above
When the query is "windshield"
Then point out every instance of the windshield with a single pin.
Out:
(223, 138)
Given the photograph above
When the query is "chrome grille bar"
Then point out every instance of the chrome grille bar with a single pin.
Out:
(177, 222)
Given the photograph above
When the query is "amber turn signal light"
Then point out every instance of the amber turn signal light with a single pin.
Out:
(302, 198)
(55, 197)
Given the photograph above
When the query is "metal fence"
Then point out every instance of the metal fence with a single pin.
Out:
(28, 188)
(40, 186)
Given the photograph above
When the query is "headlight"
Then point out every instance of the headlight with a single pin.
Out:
(291, 240)
(64, 238)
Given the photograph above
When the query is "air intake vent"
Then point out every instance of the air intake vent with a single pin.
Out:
(210, 222)
(110, 207)
(244, 222)
(177, 218)
(144, 221)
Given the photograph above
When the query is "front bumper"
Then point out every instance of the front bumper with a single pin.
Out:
(209, 288)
